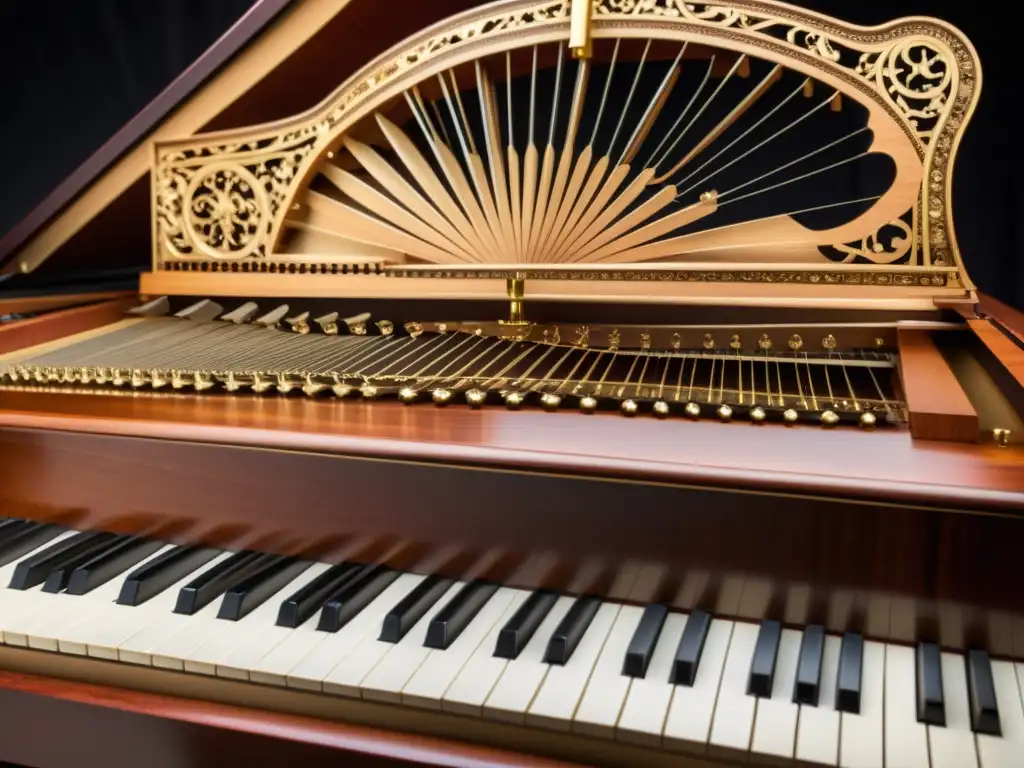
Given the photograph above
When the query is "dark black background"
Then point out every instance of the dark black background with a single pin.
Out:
(71, 73)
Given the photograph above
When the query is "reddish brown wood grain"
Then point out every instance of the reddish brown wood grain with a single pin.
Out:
(57, 723)
(57, 325)
(1006, 351)
(29, 304)
(938, 406)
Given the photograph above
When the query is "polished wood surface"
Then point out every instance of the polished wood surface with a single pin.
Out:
(883, 465)
(938, 406)
(30, 304)
(106, 727)
(58, 325)
(1009, 353)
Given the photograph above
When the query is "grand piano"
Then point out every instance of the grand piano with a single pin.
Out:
(524, 383)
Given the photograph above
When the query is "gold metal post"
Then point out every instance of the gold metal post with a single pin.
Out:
(579, 30)
(516, 315)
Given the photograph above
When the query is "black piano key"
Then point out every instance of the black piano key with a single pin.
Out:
(12, 527)
(641, 645)
(518, 630)
(114, 561)
(851, 665)
(981, 692)
(762, 666)
(254, 590)
(445, 628)
(412, 607)
(570, 630)
(690, 648)
(60, 576)
(158, 574)
(34, 570)
(215, 581)
(27, 539)
(931, 708)
(357, 593)
(297, 608)
(808, 668)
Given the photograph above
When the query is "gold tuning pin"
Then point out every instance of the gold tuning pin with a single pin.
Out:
(273, 317)
(328, 323)
(242, 314)
(357, 323)
(1002, 437)
(155, 308)
(579, 29)
(299, 323)
(202, 311)
(386, 327)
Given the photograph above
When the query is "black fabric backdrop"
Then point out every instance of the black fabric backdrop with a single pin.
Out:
(71, 73)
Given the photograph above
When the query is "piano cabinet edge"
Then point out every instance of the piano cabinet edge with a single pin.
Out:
(104, 726)
(893, 572)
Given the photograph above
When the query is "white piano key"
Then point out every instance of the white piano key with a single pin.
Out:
(15, 604)
(47, 632)
(226, 636)
(646, 707)
(775, 721)
(563, 686)
(501, 689)
(308, 656)
(170, 651)
(953, 746)
(363, 673)
(817, 736)
(426, 688)
(598, 710)
(123, 622)
(690, 715)
(1006, 751)
(861, 741)
(906, 740)
(734, 709)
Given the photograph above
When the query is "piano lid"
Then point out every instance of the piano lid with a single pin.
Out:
(746, 153)
(263, 68)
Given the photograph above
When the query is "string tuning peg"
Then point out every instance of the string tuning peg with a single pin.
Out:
(241, 314)
(328, 323)
(299, 323)
(357, 323)
(273, 318)
(202, 311)
(155, 308)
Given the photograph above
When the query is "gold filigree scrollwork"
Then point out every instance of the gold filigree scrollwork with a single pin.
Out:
(708, 13)
(226, 206)
(814, 41)
(889, 245)
(916, 76)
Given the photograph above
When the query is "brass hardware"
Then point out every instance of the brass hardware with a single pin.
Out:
(260, 384)
(829, 342)
(710, 196)
(1001, 436)
(764, 342)
(614, 339)
(515, 288)
(475, 397)
(868, 420)
(582, 339)
(790, 416)
(407, 395)
(284, 386)
(341, 389)
(757, 414)
(829, 418)
(677, 341)
(441, 396)
(231, 384)
(795, 342)
(549, 401)
(312, 388)
(442, 328)
(735, 343)
(513, 400)
(328, 323)
(709, 341)
(299, 323)
(202, 380)
(692, 410)
(414, 329)
(156, 378)
(357, 323)
(369, 391)
(588, 404)
(879, 341)
(724, 412)
(386, 327)
(661, 409)
(645, 341)
(629, 407)
(138, 379)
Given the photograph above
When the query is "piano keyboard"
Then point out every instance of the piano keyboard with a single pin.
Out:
(640, 675)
